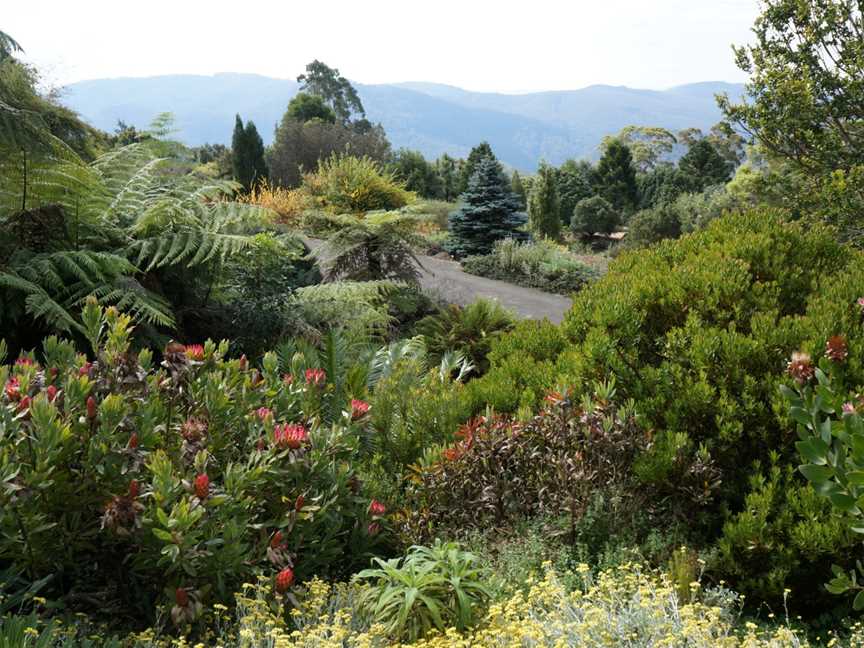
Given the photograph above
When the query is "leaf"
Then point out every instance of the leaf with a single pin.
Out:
(816, 474)
(858, 603)
(812, 452)
(842, 501)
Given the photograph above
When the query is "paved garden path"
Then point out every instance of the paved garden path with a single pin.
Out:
(447, 280)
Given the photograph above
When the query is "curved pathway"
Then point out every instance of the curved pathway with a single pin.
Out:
(446, 279)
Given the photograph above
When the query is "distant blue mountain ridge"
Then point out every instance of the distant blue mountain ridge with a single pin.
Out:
(432, 118)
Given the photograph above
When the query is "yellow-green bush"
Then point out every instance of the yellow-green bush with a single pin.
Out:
(347, 184)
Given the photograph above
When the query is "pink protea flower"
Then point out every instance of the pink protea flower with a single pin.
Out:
(195, 352)
(288, 379)
(85, 369)
(848, 408)
(316, 377)
(284, 580)
(290, 435)
(359, 409)
(376, 508)
(836, 348)
(24, 361)
(800, 368)
(860, 302)
(202, 486)
(373, 529)
(13, 389)
(264, 413)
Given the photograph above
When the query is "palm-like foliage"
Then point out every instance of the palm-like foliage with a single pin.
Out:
(469, 330)
(112, 224)
(431, 587)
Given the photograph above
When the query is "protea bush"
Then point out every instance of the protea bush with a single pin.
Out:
(124, 482)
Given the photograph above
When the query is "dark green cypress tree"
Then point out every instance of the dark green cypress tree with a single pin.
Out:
(704, 166)
(247, 154)
(239, 159)
(489, 212)
(544, 218)
(255, 151)
(615, 177)
(479, 152)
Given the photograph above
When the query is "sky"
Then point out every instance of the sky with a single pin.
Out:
(480, 45)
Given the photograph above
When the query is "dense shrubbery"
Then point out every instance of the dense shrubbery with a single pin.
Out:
(133, 483)
(697, 332)
(542, 265)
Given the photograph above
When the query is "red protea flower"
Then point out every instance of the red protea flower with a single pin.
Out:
(13, 389)
(290, 435)
(51, 392)
(24, 404)
(377, 508)
(244, 362)
(316, 377)
(836, 348)
(284, 580)
(800, 368)
(264, 413)
(182, 597)
(202, 486)
(452, 454)
(53, 373)
(85, 369)
(288, 379)
(195, 352)
(299, 502)
(24, 361)
(91, 408)
(133, 440)
(133, 488)
(277, 539)
(359, 409)
(373, 529)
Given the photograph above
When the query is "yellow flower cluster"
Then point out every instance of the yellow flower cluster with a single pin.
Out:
(622, 607)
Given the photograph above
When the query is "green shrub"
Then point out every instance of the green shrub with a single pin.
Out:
(121, 477)
(697, 331)
(431, 587)
(542, 265)
(347, 184)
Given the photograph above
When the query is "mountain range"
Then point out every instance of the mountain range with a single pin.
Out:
(432, 118)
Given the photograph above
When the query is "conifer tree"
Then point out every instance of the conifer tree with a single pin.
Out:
(544, 219)
(518, 189)
(247, 154)
(704, 166)
(615, 177)
(489, 212)
(479, 152)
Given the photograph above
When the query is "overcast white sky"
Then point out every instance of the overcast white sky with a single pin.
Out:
(475, 44)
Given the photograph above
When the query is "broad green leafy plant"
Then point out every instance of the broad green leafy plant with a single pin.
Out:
(831, 433)
(431, 587)
(174, 484)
